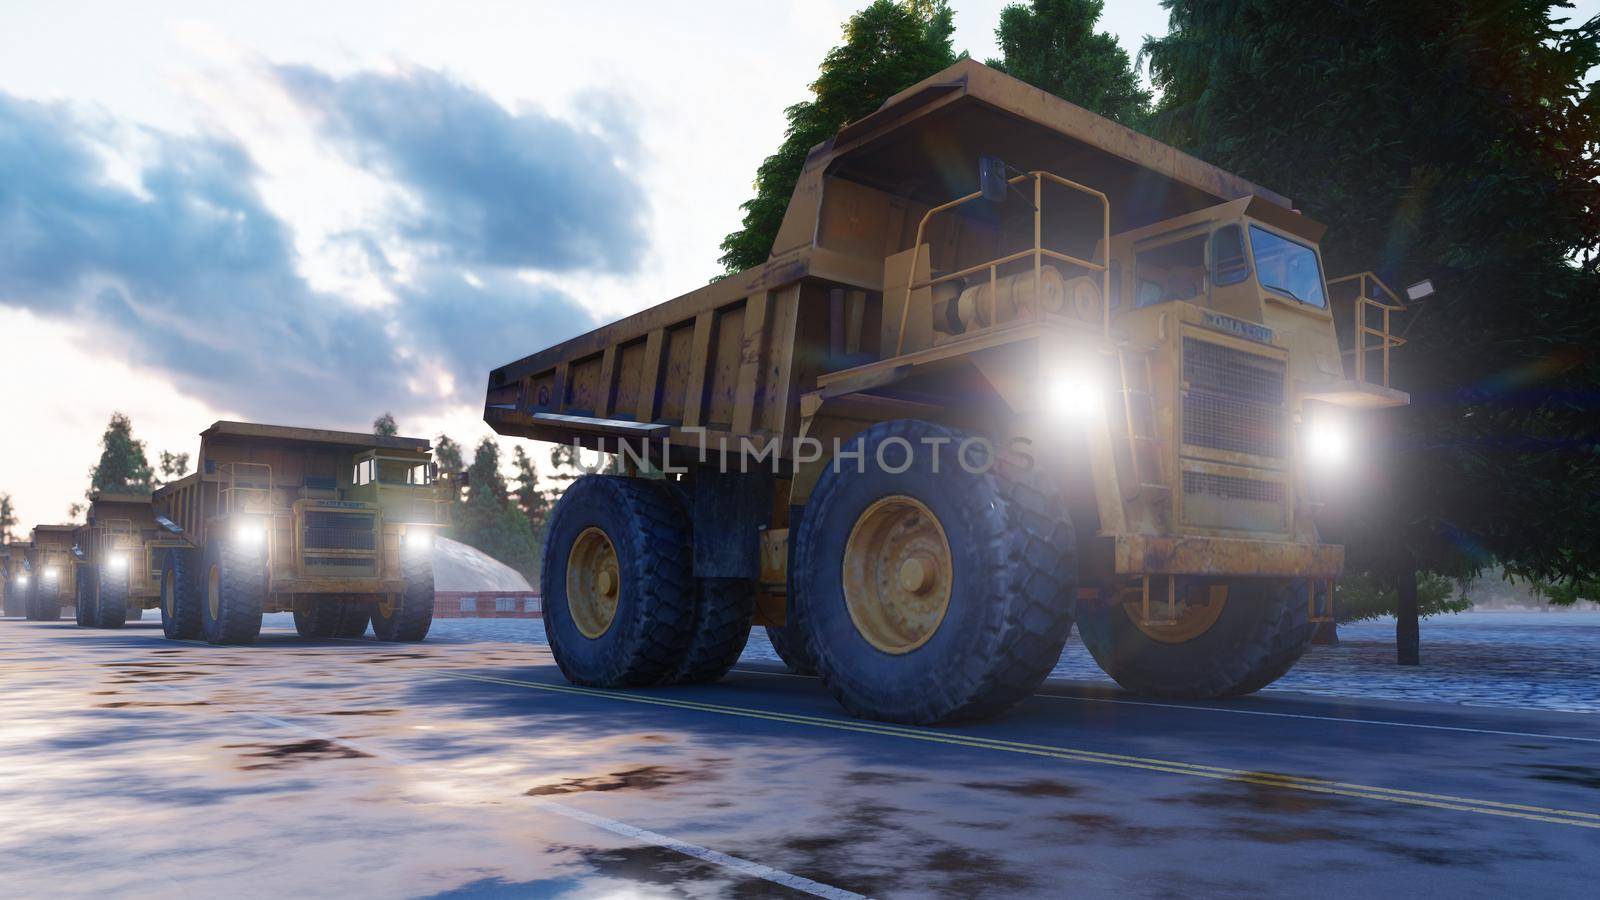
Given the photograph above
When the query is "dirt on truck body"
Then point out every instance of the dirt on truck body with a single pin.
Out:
(336, 527)
(1011, 366)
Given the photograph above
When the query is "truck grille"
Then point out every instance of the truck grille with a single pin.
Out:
(1238, 503)
(341, 566)
(1234, 400)
(338, 531)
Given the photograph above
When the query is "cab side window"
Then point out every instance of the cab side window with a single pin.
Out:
(1228, 262)
(1175, 271)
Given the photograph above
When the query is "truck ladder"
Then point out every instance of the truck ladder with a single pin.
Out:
(1139, 416)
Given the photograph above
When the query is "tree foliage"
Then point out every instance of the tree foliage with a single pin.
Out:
(8, 518)
(1450, 141)
(1052, 45)
(384, 426)
(887, 47)
(1363, 595)
(173, 465)
(487, 520)
(123, 468)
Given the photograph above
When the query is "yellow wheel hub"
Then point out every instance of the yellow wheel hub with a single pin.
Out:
(898, 574)
(1199, 607)
(385, 606)
(594, 582)
(214, 592)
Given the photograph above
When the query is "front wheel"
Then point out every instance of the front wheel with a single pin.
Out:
(1227, 638)
(926, 591)
(233, 592)
(111, 597)
(180, 596)
(407, 616)
(83, 603)
(45, 602)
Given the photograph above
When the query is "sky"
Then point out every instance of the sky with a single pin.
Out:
(313, 213)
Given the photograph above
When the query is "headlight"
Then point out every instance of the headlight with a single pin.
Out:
(249, 533)
(118, 562)
(418, 539)
(1073, 393)
(51, 574)
(1328, 442)
(22, 581)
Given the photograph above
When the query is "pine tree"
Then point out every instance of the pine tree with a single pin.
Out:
(1052, 45)
(384, 426)
(123, 468)
(8, 518)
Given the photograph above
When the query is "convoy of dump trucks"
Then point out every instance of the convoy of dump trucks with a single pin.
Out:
(1010, 368)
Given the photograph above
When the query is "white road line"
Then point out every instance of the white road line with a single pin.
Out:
(742, 866)
(1257, 712)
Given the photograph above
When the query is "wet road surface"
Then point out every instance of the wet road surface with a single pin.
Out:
(131, 765)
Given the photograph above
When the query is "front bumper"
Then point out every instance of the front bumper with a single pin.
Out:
(1143, 554)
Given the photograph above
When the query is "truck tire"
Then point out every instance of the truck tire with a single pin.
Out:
(932, 594)
(723, 609)
(618, 583)
(16, 597)
(344, 617)
(233, 592)
(409, 615)
(1259, 632)
(83, 604)
(111, 597)
(45, 601)
(787, 643)
(180, 596)
(135, 613)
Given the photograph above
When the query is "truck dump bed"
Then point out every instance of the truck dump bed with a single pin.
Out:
(735, 357)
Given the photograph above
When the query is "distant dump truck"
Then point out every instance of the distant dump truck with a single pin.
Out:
(1010, 366)
(49, 572)
(13, 579)
(119, 555)
(336, 527)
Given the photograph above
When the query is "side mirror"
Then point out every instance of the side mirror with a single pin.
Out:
(992, 178)
(433, 471)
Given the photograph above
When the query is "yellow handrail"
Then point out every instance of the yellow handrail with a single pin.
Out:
(1037, 251)
(1386, 340)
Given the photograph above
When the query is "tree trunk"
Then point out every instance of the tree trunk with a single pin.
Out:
(1407, 629)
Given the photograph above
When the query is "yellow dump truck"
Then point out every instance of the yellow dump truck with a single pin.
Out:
(1009, 366)
(49, 572)
(336, 527)
(118, 558)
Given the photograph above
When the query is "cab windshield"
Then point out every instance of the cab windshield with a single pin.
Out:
(1287, 267)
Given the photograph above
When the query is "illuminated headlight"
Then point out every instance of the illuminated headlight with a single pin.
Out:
(418, 539)
(51, 574)
(1328, 442)
(22, 581)
(118, 562)
(1073, 393)
(249, 534)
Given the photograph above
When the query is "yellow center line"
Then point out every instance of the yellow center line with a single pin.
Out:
(1267, 779)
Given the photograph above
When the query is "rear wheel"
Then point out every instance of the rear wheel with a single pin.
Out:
(931, 593)
(618, 586)
(180, 596)
(787, 643)
(1228, 638)
(330, 617)
(722, 615)
(111, 598)
(83, 604)
(233, 592)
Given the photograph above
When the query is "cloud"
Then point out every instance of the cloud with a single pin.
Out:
(184, 269)
(493, 187)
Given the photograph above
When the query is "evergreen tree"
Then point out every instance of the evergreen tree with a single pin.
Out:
(1450, 141)
(123, 468)
(487, 520)
(173, 465)
(887, 47)
(447, 454)
(384, 426)
(1052, 45)
(8, 518)
(533, 502)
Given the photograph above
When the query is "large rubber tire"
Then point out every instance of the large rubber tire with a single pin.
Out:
(723, 609)
(1260, 634)
(233, 592)
(652, 624)
(45, 601)
(1013, 582)
(83, 604)
(111, 598)
(135, 613)
(342, 617)
(790, 647)
(410, 615)
(180, 596)
(16, 599)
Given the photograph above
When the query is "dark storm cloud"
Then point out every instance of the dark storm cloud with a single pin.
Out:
(191, 274)
(500, 188)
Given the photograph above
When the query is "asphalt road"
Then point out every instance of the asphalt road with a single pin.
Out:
(130, 765)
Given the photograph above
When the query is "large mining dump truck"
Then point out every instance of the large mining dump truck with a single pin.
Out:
(49, 572)
(1009, 366)
(119, 554)
(336, 527)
